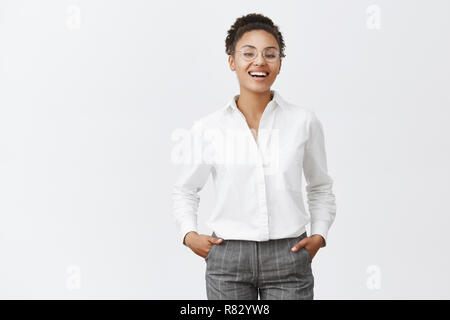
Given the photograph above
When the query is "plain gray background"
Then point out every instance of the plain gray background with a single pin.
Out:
(91, 91)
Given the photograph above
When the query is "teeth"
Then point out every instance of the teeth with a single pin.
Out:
(258, 73)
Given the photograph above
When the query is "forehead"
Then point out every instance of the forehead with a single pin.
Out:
(257, 38)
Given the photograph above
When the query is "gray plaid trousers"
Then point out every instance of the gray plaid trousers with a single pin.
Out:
(244, 269)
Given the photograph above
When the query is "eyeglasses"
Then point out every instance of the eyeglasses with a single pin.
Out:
(269, 54)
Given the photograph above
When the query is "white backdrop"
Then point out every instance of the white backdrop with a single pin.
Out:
(90, 92)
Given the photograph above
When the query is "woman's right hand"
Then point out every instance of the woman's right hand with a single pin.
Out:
(201, 243)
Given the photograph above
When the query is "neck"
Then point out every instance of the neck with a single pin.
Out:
(253, 103)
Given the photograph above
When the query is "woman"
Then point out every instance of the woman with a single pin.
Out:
(259, 245)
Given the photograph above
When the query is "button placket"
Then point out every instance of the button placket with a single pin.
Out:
(262, 181)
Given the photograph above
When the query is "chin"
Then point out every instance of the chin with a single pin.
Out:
(258, 88)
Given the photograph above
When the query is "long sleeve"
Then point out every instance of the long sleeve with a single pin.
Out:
(193, 176)
(321, 200)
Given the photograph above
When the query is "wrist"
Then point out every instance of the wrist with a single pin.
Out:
(188, 237)
(322, 240)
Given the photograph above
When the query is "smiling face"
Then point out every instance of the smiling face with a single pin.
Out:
(259, 39)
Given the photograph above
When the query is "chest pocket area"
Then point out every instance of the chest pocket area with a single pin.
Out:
(289, 173)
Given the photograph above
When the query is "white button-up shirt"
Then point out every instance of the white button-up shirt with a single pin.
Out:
(258, 181)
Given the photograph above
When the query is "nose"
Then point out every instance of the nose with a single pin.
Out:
(259, 60)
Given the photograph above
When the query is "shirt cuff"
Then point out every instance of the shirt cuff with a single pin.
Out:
(320, 228)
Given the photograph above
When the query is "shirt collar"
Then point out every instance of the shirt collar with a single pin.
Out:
(277, 100)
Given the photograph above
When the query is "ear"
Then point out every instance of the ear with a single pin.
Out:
(279, 69)
(231, 62)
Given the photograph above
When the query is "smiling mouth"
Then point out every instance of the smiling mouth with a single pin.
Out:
(259, 75)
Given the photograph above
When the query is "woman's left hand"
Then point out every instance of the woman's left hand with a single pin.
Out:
(312, 244)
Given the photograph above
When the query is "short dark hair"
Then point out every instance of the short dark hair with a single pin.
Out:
(252, 21)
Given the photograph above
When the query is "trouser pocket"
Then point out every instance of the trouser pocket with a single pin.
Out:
(210, 252)
(210, 249)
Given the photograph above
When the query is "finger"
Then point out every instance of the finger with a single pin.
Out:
(298, 245)
(215, 240)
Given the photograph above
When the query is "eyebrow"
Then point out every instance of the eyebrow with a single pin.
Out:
(247, 45)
